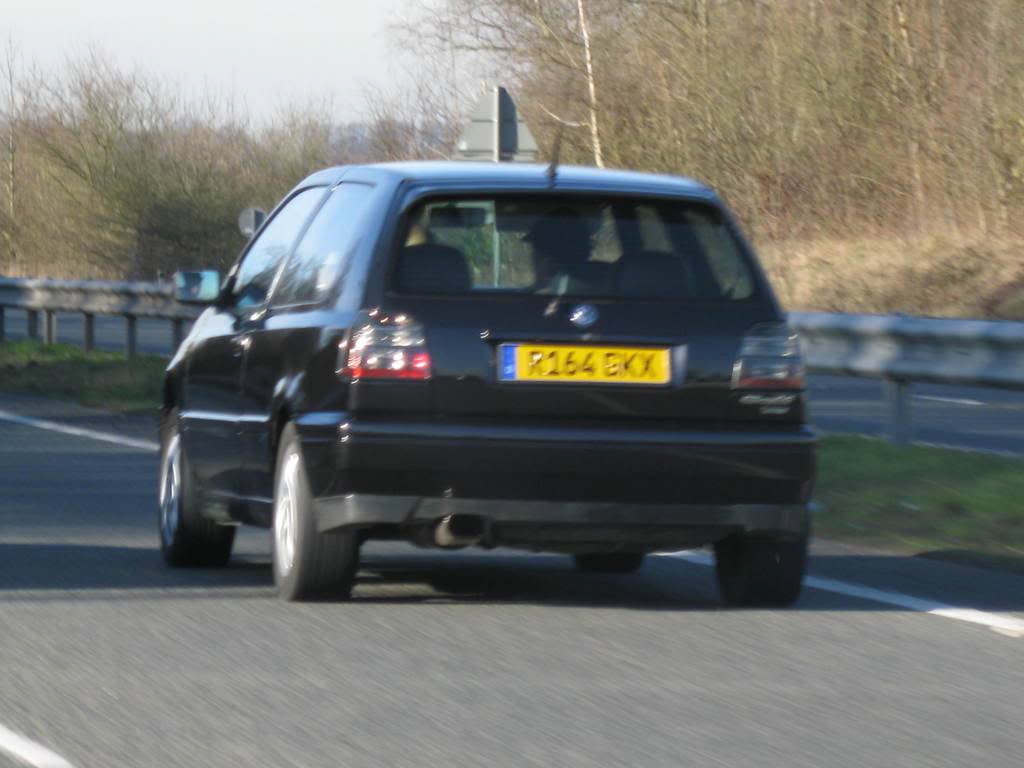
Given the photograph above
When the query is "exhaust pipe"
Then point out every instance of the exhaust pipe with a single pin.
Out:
(454, 531)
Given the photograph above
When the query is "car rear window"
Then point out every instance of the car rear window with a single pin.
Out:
(587, 247)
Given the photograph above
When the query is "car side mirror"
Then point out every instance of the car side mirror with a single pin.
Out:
(250, 220)
(197, 287)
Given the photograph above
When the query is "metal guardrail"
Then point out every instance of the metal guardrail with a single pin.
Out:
(902, 350)
(899, 350)
(130, 300)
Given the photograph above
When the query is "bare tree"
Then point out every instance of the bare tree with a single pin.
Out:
(12, 114)
(836, 127)
(541, 43)
(595, 136)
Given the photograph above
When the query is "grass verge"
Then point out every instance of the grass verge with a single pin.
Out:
(932, 501)
(99, 379)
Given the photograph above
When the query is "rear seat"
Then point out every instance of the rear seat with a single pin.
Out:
(432, 268)
(653, 274)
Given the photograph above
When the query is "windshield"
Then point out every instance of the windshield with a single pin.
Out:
(616, 248)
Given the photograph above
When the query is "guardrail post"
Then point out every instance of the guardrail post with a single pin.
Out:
(32, 316)
(131, 335)
(50, 326)
(89, 331)
(177, 333)
(900, 425)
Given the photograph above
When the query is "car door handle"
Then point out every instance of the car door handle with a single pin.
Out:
(240, 344)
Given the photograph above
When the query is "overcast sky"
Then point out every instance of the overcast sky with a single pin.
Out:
(265, 53)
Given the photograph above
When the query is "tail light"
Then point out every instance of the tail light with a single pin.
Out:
(387, 348)
(769, 358)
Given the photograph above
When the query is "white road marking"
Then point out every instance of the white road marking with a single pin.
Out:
(817, 402)
(27, 751)
(950, 400)
(106, 437)
(1004, 625)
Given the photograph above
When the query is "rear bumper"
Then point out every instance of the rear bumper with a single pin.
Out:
(538, 483)
(567, 526)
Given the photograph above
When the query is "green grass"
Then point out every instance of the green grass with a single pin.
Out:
(100, 379)
(964, 506)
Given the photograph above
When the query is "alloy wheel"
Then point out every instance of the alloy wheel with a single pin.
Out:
(286, 515)
(170, 491)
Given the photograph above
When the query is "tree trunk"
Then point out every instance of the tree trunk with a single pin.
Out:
(595, 136)
(12, 118)
(913, 141)
(992, 117)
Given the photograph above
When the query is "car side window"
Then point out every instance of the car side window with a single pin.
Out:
(323, 253)
(256, 272)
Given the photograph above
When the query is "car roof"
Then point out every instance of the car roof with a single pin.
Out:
(517, 176)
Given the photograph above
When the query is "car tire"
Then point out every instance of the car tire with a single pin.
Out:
(760, 570)
(187, 538)
(610, 562)
(307, 564)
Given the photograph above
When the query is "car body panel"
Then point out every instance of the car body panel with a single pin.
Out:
(290, 357)
(209, 404)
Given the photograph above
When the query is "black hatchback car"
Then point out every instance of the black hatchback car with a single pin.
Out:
(581, 361)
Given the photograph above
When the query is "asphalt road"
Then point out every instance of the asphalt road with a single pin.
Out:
(474, 659)
(963, 417)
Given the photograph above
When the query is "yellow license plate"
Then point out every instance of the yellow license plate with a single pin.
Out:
(583, 364)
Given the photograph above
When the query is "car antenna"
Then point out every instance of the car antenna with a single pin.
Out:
(556, 148)
(556, 145)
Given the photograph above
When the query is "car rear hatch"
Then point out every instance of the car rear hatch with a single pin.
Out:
(576, 308)
(469, 341)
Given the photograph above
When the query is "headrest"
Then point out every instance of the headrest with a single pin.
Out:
(432, 268)
(652, 275)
